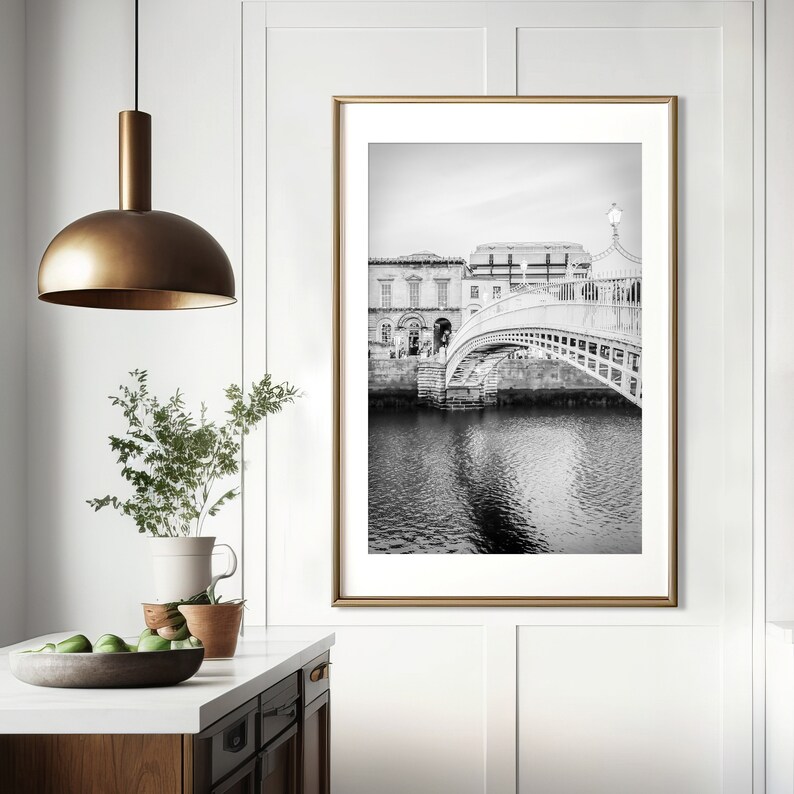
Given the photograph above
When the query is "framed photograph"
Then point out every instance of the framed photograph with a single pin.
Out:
(505, 351)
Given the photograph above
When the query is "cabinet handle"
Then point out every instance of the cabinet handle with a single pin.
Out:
(236, 737)
(320, 672)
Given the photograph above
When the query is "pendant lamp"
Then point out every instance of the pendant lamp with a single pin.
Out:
(135, 257)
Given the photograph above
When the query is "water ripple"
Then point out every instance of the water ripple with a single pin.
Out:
(507, 481)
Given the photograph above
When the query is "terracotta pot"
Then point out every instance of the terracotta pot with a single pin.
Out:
(216, 625)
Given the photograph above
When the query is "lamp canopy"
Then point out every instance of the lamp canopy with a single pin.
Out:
(614, 214)
(135, 257)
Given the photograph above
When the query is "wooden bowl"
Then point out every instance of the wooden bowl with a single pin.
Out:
(216, 625)
(106, 670)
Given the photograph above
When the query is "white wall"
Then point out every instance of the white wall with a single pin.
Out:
(12, 320)
(423, 699)
(87, 570)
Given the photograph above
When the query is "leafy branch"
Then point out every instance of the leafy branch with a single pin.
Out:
(174, 461)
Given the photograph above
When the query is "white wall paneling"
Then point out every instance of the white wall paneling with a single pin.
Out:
(738, 394)
(759, 396)
(780, 372)
(501, 707)
(13, 408)
(254, 180)
(414, 721)
(669, 692)
(574, 737)
(356, 61)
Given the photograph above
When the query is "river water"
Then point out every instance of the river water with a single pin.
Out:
(510, 480)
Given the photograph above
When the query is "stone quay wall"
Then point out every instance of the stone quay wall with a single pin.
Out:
(536, 373)
(405, 382)
(431, 382)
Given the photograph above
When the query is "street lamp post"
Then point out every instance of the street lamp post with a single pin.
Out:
(614, 214)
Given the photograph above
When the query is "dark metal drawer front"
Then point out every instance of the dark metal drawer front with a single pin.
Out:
(278, 709)
(230, 741)
(316, 677)
(243, 781)
(273, 757)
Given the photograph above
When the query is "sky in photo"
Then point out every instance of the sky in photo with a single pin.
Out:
(448, 198)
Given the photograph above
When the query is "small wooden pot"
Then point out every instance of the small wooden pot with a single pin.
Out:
(216, 625)
(158, 616)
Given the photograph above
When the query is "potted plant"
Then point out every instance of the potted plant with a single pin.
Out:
(203, 617)
(180, 467)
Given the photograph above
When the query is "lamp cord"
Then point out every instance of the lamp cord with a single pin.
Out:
(136, 54)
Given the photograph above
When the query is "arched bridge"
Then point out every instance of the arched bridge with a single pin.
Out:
(593, 324)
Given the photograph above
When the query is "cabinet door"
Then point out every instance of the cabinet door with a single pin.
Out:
(278, 763)
(315, 746)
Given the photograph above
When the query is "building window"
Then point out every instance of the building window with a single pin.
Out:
(509, 259)
(385, 333)
(497, 293)
(413, 293)
(443, 294)
(490, 259)
(475, 292)
(385, 296)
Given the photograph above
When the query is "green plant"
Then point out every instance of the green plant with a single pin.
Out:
(176, 463)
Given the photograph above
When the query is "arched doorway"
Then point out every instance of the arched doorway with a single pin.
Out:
(413, 337)
(442, 329)
(409, 330)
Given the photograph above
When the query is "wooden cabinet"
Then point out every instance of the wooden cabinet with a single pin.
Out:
(316, 766)
(83, 763)
(315, 727)
(276, 743)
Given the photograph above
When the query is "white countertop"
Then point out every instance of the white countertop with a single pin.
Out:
(264, 657)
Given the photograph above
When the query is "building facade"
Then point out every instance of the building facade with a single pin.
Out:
(413, 301)
(417, 302)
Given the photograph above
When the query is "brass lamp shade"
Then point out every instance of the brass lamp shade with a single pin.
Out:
(121, 259)
(134, 257)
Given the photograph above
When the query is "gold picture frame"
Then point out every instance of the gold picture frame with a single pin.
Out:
(341, 597)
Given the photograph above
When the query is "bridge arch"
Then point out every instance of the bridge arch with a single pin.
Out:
(594, 325)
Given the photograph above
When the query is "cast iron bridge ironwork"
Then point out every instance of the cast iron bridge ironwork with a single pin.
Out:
(593, 324)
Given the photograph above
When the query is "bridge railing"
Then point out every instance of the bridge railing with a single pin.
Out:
(620, 286)
(610, 304)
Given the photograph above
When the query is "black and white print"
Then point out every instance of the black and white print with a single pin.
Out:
(505, 348)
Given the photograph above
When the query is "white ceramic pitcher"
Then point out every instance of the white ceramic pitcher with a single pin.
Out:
(183, 566)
